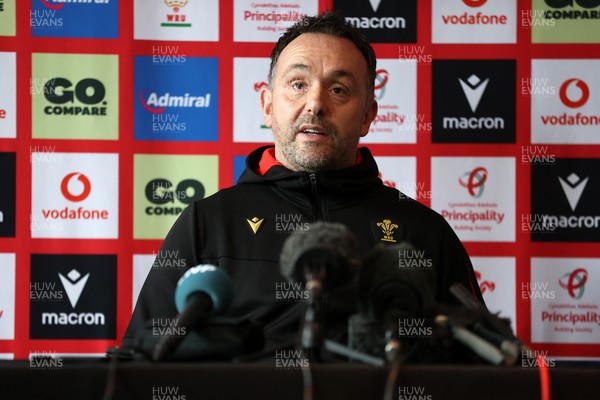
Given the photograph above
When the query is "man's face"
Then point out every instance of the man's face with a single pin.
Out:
(318, 106)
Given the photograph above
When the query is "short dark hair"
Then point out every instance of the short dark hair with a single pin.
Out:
(329, 23)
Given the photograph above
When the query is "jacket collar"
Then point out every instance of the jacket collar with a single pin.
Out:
(339, 187)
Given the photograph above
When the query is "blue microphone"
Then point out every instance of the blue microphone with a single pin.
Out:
(202, 291)
(207, 281)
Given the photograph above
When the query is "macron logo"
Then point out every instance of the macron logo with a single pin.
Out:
(573, 188)
(375, 4)
(73, 285)
(473, 89)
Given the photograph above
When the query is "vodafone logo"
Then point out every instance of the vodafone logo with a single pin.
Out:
(67, 185)
(475, 181)
(478, 18)
(573, 93)
(75, 187)
(583, 97)
(574, 282)
(474, 3)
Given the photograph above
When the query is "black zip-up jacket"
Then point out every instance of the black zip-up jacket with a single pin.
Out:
(217, 230)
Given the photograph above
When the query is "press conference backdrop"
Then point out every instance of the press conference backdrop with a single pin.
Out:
(114, 116)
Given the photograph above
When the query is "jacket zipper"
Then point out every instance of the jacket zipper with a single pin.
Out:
(315, 195)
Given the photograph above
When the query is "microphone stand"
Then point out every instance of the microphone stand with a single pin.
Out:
(312, 326)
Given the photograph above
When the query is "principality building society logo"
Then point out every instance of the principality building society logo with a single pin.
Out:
(574, 282)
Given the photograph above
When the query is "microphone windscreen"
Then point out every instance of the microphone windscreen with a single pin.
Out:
(394, 277)
(209, 280)
(324, 243)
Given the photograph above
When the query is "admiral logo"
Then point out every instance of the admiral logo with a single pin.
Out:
(89, 308)
(473, 101)
(51, 4)
(573, 93)
(478, 18)
(565, 194)
(74, 18)
(562, 12)
(88, 92)
(75, 187)
(176, 19)
(574, 282)
(381, 21)
(177, 101)
(160, 192)
(157, 104)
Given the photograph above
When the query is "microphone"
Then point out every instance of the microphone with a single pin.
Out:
(395, 285)
(489, 328)
(321, 257)
(202, 291)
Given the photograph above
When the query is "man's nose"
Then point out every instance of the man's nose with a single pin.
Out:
(316, 100)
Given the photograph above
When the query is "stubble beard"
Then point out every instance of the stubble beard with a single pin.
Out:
(311, 156)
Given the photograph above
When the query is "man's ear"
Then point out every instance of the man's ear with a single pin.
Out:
(266, 103)
(370, 114)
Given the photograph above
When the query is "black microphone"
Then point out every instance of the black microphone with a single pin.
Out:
(321, 257)
(202, 291)
(395, 287)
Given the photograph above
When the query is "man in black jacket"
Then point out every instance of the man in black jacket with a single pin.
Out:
(319, 103)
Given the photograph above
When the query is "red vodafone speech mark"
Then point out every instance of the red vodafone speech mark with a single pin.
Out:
(474, 3)
(585, 93)
(87, 187)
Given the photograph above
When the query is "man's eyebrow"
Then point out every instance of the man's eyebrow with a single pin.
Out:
(296, 66)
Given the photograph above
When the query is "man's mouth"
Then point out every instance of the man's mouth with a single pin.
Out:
(312, 130)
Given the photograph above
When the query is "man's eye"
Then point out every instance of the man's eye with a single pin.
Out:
(297, 85)
(338, 90)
